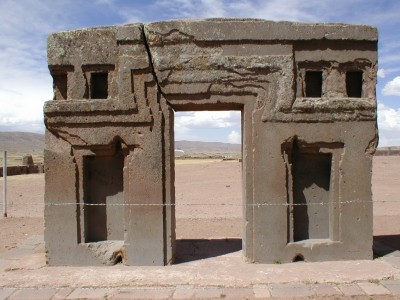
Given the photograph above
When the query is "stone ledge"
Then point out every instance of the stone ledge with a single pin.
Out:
(255, 30)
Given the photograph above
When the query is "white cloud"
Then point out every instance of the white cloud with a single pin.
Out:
(389, 138)
(191, 8)
(388, 118)
(356, 11)
(273, 9)
(205, 125)
(392, 88)
(389, 125)
(390, 58)
(381, 73)
(22, 101)
(25, 82)
(104, 2)
(234, 137)
(207, 119)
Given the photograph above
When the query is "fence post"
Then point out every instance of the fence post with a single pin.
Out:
(5, 184)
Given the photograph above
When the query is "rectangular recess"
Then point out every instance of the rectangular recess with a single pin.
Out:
(311, 194)
(103, 184)
(60, 86)
(98, 78)
(60, 81)
(313, 83)
(354, 84)
(99, 85)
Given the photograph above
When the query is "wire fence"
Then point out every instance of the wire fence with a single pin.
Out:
(213, 204)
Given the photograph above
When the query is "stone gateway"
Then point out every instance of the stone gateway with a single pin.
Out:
(307, 97)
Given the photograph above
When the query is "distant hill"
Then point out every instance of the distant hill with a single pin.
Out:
(207, 147)
(21, 142)
(28, 142)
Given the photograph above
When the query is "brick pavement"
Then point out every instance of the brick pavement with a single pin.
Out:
(386, 289)
(29, 256)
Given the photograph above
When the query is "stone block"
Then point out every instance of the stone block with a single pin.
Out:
(33, 293)
(261, 291)
(392, 285)
(6, 292)
(209, 293)
(142, 293)
(307, 96)
(184, 293)
(62, 293)
(88, 293)
(373, 289)
(325, 290)
(291, 290)
(351, 289)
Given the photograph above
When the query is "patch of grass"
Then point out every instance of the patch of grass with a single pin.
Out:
(12, 269)
(376, 281)
(277, 262)
(15, 158)
(310, 282)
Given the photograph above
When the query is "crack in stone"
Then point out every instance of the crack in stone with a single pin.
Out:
(148, 51)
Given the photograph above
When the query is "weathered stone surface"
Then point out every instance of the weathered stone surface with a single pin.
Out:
(307, 96)
(255, 30)
(109, 252)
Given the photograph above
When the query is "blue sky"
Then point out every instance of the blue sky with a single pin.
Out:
(25, 82)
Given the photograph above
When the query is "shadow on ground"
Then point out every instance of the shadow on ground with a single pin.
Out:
(196, 249)
(386, 244)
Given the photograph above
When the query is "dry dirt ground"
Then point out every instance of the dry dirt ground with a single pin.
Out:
(214, 187)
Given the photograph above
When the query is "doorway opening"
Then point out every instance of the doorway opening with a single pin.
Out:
(208, 184)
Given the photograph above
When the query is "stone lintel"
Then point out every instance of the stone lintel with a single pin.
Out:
(254, 30)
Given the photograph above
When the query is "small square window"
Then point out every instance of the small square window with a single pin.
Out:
(354, 82)
(60, 86)
(313, 83)
(99, 85)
